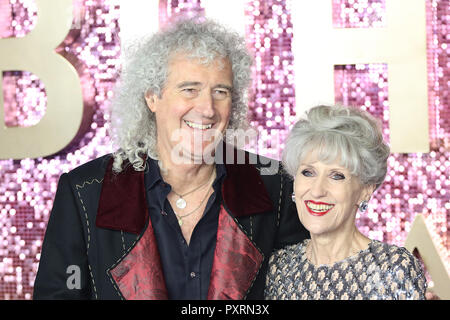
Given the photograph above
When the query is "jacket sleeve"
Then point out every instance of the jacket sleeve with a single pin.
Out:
(63, 269)
(290, 230)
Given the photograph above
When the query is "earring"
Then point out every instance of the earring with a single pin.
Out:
(293, 197)
(363, 206)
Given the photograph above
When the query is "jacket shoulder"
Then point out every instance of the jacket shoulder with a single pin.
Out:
(94, 169)
(265, 165)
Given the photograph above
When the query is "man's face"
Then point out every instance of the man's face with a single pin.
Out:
(194, 107)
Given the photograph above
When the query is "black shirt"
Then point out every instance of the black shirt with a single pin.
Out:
(186, 268)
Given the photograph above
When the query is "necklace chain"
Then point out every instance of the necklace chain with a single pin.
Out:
(179, 218)
(181, 203)
(183, 195)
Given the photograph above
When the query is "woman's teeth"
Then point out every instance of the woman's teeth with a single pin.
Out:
(319, 207)
(194, 125)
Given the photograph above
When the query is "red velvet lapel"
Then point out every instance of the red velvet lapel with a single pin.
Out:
(236, 261)
(122, 204)
(243, 190)
(139, 274)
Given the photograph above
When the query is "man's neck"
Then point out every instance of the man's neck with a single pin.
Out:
(186, 175)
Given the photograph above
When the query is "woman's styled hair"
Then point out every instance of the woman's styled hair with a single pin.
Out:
(132, 124)
(337, 133)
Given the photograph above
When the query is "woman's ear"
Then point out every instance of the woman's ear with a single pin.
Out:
(368, 191)
(150, 98)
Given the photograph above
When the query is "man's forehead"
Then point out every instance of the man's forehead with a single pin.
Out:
(192, 58)
(186, 69)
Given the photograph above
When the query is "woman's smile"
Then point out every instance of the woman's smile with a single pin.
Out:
(318, 208)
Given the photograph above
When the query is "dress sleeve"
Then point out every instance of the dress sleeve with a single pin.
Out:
(63, 268)
(271, 288)
(409, 277)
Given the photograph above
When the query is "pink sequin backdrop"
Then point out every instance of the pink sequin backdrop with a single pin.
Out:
(416, 183)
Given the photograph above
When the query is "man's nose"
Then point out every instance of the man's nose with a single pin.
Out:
(205, 104)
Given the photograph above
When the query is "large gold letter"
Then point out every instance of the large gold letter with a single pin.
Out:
(36, 53)
(419, 238)
(317, 47)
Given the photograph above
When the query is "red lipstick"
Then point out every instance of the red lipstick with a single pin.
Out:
(315, 213)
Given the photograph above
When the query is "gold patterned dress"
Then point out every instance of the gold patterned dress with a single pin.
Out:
(381, 271)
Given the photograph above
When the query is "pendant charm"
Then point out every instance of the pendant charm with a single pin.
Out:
(180, 222)
(181, 203)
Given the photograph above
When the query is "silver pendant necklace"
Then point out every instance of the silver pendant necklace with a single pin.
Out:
(180, 218)
(181, 203)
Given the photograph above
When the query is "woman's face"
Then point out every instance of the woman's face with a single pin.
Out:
(327, 197)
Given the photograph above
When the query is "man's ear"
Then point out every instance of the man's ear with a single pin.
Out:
(150, 98)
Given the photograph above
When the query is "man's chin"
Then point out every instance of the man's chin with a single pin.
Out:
(198, 155)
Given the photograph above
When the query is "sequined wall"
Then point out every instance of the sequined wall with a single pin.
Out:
(416, 183)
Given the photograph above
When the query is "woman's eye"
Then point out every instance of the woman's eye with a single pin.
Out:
(307, 173)
(338, 176)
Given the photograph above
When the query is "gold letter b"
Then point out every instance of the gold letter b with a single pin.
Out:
(36, 53)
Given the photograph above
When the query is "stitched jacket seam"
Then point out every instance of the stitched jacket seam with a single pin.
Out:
(108, 270)
(280, 200)
(78, 187)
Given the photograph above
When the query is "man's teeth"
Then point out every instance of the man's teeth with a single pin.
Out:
(319, 207)
(198, 126)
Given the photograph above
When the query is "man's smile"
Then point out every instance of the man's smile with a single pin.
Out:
(198, 126)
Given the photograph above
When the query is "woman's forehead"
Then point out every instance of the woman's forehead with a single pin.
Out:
(314, 162)
(317, 159)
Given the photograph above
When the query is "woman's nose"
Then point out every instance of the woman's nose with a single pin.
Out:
(318, 188)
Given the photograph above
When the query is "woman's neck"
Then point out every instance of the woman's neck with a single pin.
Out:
(326, 249)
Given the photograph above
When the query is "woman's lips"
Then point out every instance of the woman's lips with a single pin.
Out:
(318, 208)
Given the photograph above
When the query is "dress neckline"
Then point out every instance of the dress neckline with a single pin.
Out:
(349, 259)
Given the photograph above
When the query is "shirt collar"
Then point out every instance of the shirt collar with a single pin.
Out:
(153, 174)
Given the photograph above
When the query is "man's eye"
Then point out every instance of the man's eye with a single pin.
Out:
(189, 91)
(220, 94)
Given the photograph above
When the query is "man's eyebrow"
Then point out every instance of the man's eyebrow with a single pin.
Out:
(224, 86)
(188, 83)
(197, 83)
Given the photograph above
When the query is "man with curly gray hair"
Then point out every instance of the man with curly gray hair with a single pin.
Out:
(158, 219)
